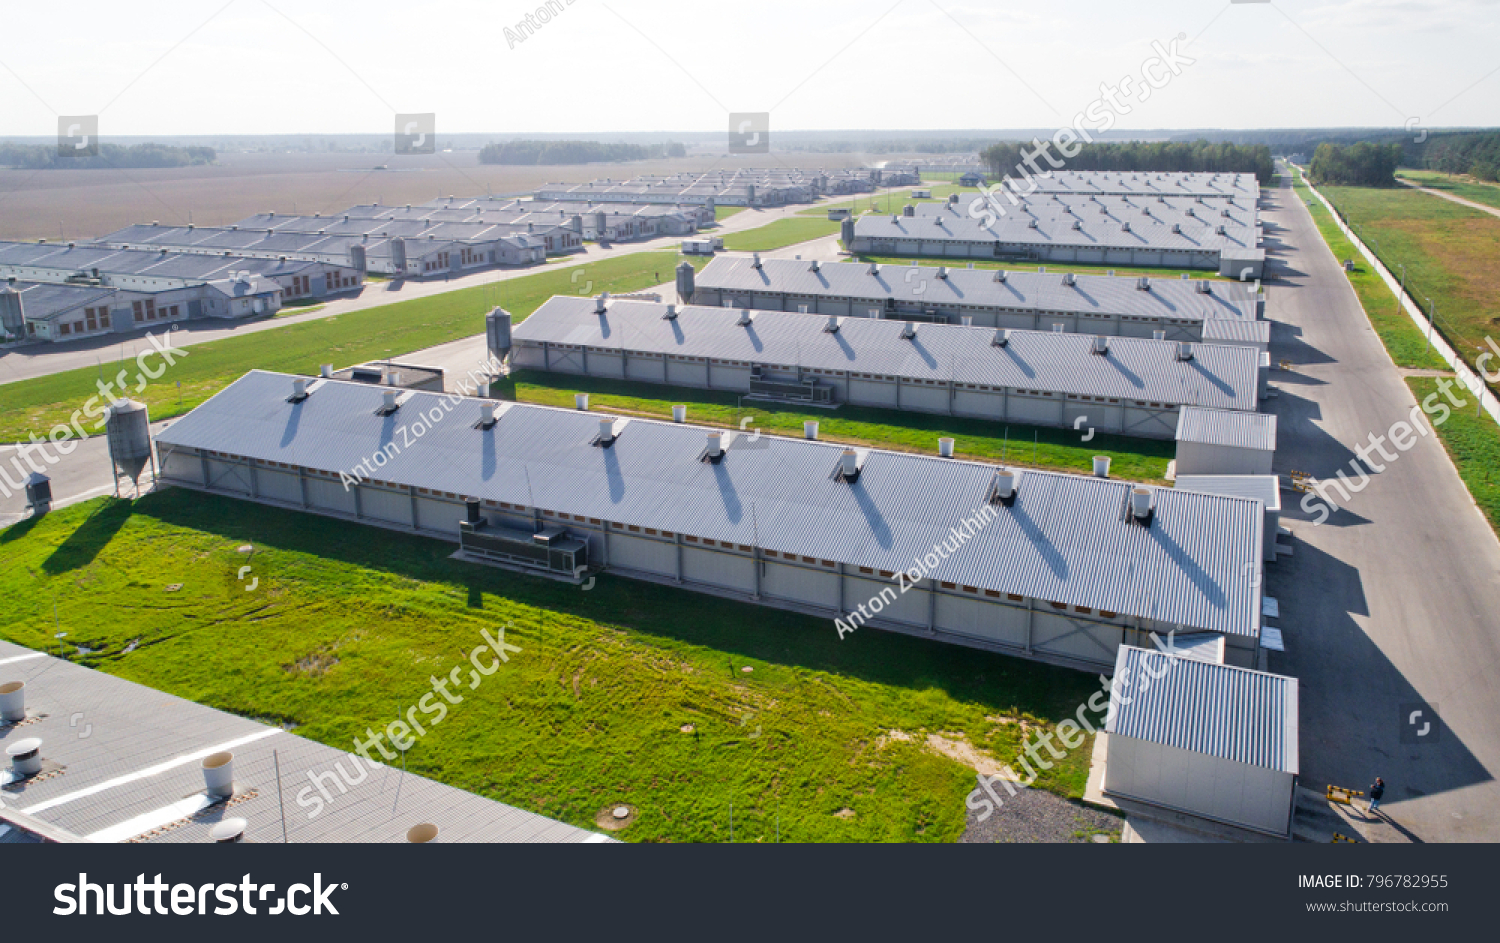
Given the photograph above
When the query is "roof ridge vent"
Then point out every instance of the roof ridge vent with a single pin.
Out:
(1185, 350)
(1101, 344)
(1001, 338)
(909, 329)
(670, 314)
(1003, 487)
(600, 302)
(755, 260)
(745, 318)
(388, 404)
(1000, 275)
(299, 390)
(1143, 283)
(815, 266)
(832, 327)
(1140, 508)
(1204, 287)
(1070, 279)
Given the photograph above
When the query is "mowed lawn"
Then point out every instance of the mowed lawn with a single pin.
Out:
(1451, 254)
(780, 234)
(1473, 442)
(1404, 341)
(625, 693)
(1459, 185)
(975, 439)
(372, 333)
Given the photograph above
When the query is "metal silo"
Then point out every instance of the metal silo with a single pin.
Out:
(497, 333)
(128, 430)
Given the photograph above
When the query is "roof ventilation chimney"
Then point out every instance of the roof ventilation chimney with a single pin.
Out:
(1070, 279)
(1143, 283)
(1101, 344)
(942, 271)
(600, 302)
(1185, 351)
(1004, 487)
(581, 401)
(909, 329)
(388, 406)
(1158, 335)
(1204, 287)
(945, 448)
(1077, 224)
(832, 327)
(299, 389)
(1140, 505)
(25, 756)
(487, 415)
(1177, 227)
(670, 314)
(1101, 466)
(874, 268)
(814, 266)
(1125, 226)
(745, 318)
(849, 466)
(325, 370)
(810, 430)
(715, 446)
(755, 260)
(606, 431)
(1031, 224)
(1002, 337)
(1000, 275)
(218, 774)
(13, 702)
(228, 832)
(679, 413)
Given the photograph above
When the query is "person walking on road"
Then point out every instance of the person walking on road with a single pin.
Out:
(1376, 791)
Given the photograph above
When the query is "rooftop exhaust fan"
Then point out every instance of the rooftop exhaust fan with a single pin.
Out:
(1001, 338)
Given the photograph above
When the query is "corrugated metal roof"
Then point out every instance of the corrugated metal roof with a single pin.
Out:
(1134, 368)
(1173, 299)
(1186, 212)
(41, 300)
(1015, 229)
(151, 264)
(1240, 332)
(1066, 538)
(1232, 713)
(1266, 488)
(1142, 181)
(1242, 430)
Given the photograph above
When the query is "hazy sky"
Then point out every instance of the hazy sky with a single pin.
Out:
(252, 67)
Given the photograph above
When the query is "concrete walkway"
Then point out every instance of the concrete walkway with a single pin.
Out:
(1391, 602)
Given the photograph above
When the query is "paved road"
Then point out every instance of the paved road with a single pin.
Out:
(44, 359)
(81, 474)
(1453, 199)
(1393, 600)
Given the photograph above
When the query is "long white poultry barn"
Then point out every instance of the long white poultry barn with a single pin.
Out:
(1054, 567)
(1125, 385)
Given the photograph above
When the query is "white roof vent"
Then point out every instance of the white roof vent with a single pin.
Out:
(600, 302)
(1003, 488)
(832, 327)
(1070, 279)
(874, 268)
(745, 317)
(671, 313)
(1143, 283)
(606, 431)
(942, 271)
(1204, 287)
(815, 266)
(999, 274)
(909, 329)
(1185, 351)
(755, 260)
(1002, 337)
(1140, 505)
(1101, 344)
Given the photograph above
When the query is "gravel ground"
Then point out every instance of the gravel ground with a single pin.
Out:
(1032, 815)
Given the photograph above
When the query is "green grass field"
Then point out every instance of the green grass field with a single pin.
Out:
(1404, 341)
(1480, 191)
(1041, 446)
(387, 330)
(780, 234)
(1473, 442)
(1451, 253)
(724, 212)
(630, 692)
(1059, 267)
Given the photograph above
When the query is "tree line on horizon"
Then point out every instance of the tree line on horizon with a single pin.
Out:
(136, 156)
(575, 152)
(1356, 165)
(1201, 156)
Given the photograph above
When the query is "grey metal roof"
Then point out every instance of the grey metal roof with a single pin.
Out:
(1231, 713)
(43, 300)
(1266, 488)
(1145, 182)
(1028, 291)
(134, 262)
(141, 754)
(1133, 368)
(1242, 430)
(1229, 331)
(1184, 211)
(1014, 229)
(1065, 539)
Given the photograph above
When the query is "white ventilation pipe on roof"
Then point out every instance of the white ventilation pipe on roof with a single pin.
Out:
(1002, 337)
(832, 326)
(1140, 503)
(581, 401)
(744, 317)
(715, 444)
(390, 401)
(909, 329)
(1185, 351)
(299, 388)
(325, 370)
(218, 774)
(1005, 483)
(945, 447)
(26, 756)
(1101, 344)
(487, 413)
(810, 429)
(606, 430)
(13, 702)
(849, 464)
(679, 414)
(1158, 335)
(1101, 466)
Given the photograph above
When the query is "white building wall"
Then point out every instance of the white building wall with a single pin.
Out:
(1219, 789)
(1201, 458)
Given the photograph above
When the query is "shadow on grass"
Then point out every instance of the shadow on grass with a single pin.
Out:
(92, 536)
(19, 529)
(740, 631)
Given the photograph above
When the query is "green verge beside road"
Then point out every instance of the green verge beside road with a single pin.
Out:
(1404, 341)
(1473, 442)
(631, 693)
(368, 334)
(977, 439)
(780, 234)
